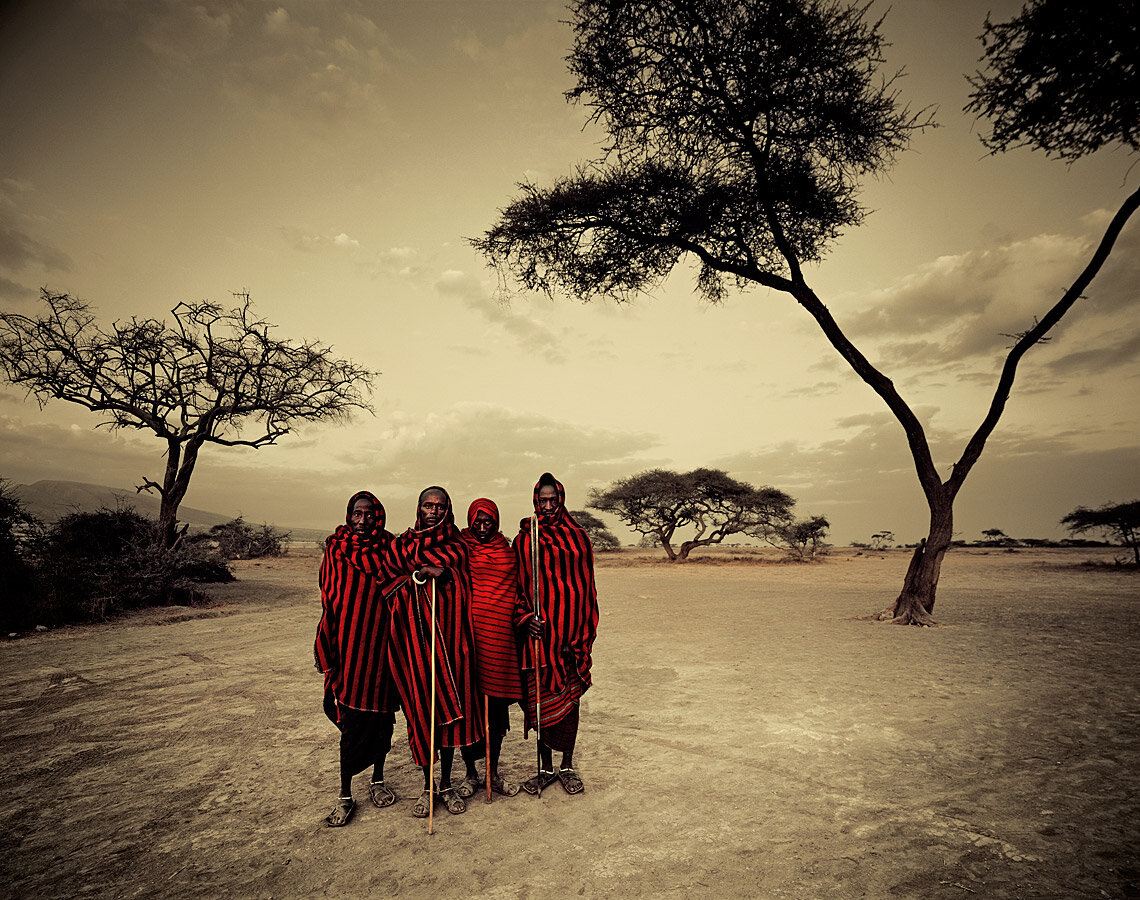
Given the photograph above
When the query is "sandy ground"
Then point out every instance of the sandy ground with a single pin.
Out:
(746, 737)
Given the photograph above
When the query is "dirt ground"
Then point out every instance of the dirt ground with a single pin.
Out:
(746, 737)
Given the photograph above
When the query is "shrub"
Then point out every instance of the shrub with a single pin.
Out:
(237, 539)
(92, 565)
(17, 580)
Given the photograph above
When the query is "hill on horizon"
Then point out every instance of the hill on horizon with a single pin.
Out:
(50, 500)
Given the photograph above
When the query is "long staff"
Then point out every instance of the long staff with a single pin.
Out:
(487, 742)
(431, 728)
(536, 596)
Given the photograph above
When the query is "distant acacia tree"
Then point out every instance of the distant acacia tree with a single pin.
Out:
(998, 537)
(881, 540)
(213, 376)
(237, 539)
(601, 538)
(738, 134)
(658, 502)
(1118, 520)
(805, 539)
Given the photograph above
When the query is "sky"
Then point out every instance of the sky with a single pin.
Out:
(333, 158)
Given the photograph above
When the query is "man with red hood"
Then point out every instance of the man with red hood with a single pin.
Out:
(560, 637)
(430, 552)
(494, 594)
(351, 650)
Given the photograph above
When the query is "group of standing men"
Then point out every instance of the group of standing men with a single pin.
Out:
(513, 624)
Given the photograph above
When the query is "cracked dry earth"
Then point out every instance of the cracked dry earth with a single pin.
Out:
(746, 737)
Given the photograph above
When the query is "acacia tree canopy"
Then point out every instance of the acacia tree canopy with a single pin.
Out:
(601, 538)
(739, 132)
(1120, 520)
(658, 502)
(213, 375)
(1062, 77)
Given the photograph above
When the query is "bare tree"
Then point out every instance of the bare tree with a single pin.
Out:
(658, 502)
(739, 131)
(214, 376)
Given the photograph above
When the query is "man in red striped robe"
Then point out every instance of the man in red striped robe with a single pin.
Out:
(351, 650)
(433, 551)
(494, 593)
(561, 636)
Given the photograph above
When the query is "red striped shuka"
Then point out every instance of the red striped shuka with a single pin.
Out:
(351, 647)
(459, 705)
(569, 604)
(494, 593)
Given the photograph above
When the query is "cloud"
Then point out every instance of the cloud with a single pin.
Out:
(966, 306)
(309, 59)
(314, 243)
(11, 290)
(182, 32)
(18, 250)
(478, 296)
(399, 261)
(1109, 355)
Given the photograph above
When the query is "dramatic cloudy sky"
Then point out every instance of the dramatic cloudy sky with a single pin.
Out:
(331, 158)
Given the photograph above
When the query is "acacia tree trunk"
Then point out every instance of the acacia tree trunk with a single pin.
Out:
(179, 468)
(915, 603)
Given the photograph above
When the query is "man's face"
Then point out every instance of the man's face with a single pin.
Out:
(364, 516)
(432, 509)
(483, 527)
(548, 500)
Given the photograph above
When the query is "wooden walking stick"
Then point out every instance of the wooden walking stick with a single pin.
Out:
(431, 727)
(487, 743)
(536, 598)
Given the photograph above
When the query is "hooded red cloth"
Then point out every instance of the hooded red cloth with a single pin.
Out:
(494, 586)
(351, 646)
(569, 604)
(459, 705)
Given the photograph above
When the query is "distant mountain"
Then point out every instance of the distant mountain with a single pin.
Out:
(52, 500)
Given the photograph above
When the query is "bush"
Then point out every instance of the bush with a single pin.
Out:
(17, 580)
(92, 565)
(237, 539)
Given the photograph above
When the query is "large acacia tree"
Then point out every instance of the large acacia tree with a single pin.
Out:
(212, 376)
(658, 502)
(739, 132)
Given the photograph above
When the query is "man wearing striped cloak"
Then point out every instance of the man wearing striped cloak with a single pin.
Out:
(351, 650)
(560, 639)
(494, 585)
(434, 551)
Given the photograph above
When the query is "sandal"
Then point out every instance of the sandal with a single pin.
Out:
(422, 806)
(468, 786)
(570, 780)
(452, 801)
(381, 794)
(536, 783)
(500, 785)
(342, 813)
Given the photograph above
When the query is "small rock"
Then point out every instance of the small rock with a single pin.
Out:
(13, 634)
(41, 628)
